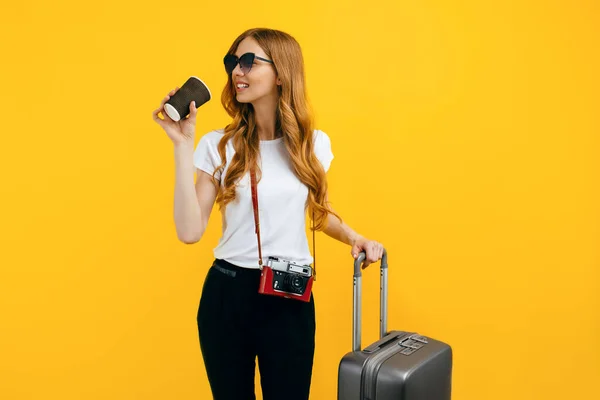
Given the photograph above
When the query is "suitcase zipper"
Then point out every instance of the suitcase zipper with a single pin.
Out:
(371, 369)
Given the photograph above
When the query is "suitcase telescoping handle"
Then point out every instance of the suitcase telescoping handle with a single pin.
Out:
(357, 300)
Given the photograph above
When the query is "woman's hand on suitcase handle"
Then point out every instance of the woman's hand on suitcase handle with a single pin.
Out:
(373, 250)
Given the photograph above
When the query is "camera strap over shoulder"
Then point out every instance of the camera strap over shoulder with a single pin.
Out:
(254, 189)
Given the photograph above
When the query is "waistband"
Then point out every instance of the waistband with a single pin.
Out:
(233, 270)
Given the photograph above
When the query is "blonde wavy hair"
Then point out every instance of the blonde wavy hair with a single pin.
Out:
(293, 118)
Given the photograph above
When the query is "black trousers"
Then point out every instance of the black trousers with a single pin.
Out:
(237, 325)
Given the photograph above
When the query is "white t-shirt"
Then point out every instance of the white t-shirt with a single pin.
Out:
(282, 200)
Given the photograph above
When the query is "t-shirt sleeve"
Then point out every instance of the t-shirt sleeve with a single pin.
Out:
(206, 155)
(323, 149)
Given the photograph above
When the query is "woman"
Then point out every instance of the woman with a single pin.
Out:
(272, 131)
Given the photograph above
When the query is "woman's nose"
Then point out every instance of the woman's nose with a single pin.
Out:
(237, 70)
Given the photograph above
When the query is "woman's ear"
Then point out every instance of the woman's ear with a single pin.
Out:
(278, 81)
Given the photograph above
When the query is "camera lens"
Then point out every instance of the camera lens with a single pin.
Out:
(296, 283)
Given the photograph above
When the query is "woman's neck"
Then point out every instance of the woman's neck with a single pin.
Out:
(265, 116)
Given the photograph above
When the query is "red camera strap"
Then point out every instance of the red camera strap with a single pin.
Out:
(256, 219)
(253, 186)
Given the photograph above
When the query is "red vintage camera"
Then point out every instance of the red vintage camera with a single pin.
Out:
(284, 278)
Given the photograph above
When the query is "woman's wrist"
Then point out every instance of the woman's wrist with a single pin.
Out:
(184, 146)
(353, 238)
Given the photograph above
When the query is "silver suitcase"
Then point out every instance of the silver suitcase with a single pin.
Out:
(401, 365)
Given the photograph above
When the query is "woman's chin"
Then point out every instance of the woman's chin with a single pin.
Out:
(241, 98)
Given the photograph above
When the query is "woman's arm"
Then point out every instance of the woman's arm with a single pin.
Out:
(193, 203)
(342, 232)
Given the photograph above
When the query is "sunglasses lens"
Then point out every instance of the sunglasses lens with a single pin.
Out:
(246, 62)
(230, 62)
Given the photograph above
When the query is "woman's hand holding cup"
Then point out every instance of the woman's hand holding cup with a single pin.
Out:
(182, 131)
(179, 109)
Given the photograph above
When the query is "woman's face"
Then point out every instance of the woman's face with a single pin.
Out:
(260, 82)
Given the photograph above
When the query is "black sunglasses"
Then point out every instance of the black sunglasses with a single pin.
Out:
(245, 61)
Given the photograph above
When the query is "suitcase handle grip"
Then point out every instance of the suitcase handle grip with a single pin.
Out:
(357, 299)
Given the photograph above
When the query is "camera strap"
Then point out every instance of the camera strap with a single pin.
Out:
(256, 219)
(254, 189)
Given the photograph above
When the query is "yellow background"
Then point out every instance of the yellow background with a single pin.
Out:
(466, 140)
